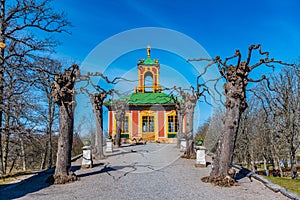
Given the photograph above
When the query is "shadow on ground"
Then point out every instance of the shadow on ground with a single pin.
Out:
(26, 186)
(35, 183)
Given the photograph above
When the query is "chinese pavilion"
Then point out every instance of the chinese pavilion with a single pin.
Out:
(150, 113)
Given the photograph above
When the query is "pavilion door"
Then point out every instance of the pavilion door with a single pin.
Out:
(148, 128)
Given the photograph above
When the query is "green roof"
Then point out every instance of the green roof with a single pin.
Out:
(148, 61)
(147, 99)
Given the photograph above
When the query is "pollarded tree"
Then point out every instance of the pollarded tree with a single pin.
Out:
(63, 92)
(185, 108)
(236, 80)
(97, 100)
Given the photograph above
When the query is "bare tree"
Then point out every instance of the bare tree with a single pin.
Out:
(237, 78)
(22, 23)
(281, 103)
(97, 100)
(190, 101)
(48, 112)
(63, 92)
(185, 108)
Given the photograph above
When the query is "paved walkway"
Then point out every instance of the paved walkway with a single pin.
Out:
(151, 171)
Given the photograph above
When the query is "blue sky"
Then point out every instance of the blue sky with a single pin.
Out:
(220, 27)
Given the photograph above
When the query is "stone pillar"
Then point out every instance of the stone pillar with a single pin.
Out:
(87, 161)
(200, 156)
(109, 146)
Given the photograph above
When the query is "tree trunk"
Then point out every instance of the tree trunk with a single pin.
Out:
(293, 164)
(63, 173)
(44, 156)
(50, 150)
(180, 127)
(279, 167)
(51, 112)
(226, 146)
(5, 150)
(235, 105)
(119, 107)
(189, 130)
(99, 135)
(6, 143)
(23, 153)
(62, 90)
(266, 166)
(97, 102)
(118, 133)
(13, 164)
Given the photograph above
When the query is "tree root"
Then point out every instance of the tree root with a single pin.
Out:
(59, 179)
(226, 181)
(191, 156)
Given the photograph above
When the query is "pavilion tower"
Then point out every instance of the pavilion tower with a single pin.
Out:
(148, 74)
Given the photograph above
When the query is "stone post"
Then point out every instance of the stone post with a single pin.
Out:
(87, 161)
(182, 145)
(200, 156)
(109, 146)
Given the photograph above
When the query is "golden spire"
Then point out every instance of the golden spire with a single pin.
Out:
(148, 51)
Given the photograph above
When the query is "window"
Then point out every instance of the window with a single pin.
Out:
(125, 125)
(148, 123)
(172, 123)
(148, 82)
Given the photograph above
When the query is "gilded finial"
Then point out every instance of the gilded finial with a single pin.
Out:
(148, 51)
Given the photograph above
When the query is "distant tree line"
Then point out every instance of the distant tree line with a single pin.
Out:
(269, 131)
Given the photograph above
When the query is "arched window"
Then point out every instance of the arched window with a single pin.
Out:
(148, 82)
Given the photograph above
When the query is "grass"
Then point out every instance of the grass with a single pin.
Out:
(6, 180)
(288, 183)
(10, 177)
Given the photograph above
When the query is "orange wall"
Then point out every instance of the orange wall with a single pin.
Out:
(161, 121)
(110, 125)
(135, 125)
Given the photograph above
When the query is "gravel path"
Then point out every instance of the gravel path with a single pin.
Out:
(133, 173)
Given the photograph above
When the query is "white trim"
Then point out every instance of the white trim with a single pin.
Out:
(156, 124)
(108, 129)
(165, 124)
(138, 124)
(130, 124)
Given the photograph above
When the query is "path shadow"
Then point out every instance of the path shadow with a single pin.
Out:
(26, 186)
(32, 184)
(78, 167)
(243, 172)
(108, 169)
(121, 153)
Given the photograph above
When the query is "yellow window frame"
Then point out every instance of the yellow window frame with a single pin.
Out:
(115, 124)
(171, 114)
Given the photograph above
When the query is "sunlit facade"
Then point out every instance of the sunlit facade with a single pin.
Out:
(150, 113)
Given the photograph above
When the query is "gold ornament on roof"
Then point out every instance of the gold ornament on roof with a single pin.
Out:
(148, 51)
